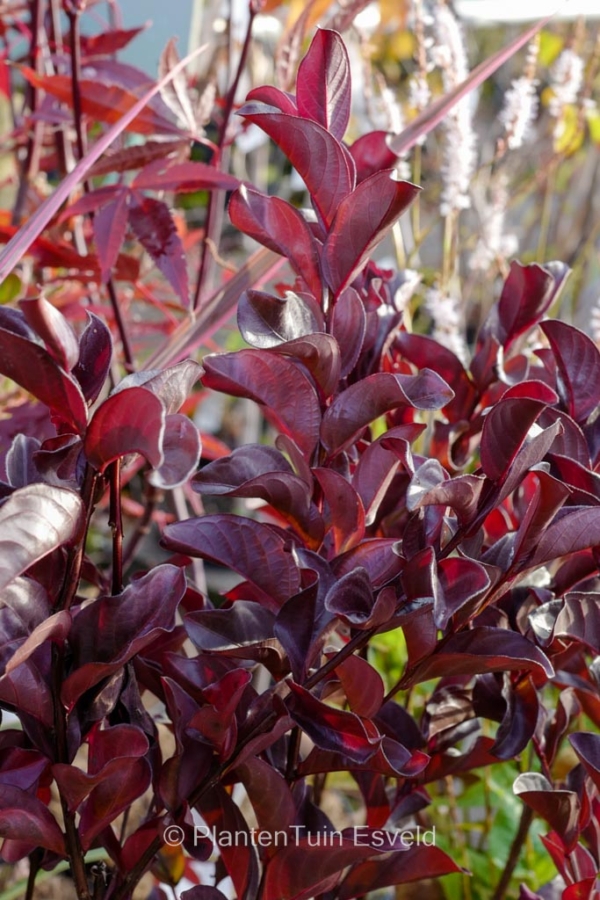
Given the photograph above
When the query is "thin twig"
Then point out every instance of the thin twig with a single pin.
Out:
(116, 523)
(514, 854)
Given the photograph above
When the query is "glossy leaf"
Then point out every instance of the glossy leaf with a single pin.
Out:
(558, 807)
(578, 362)
(95, 354)
(505, 429)
(131, 421)
(323, 83)
(54, 330)
(181, 453)
(25, 818)
(268, 321)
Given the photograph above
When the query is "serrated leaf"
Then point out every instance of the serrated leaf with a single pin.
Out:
(155, 229)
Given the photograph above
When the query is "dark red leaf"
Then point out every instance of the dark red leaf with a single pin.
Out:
(417, 863)
(245, 631)
(462, 582)
(108, 42)
(24, 606)
(348, 327)
(255, 551)
(55, 628)
(362, 685)
(323, 83)
(371, 153)
(315, 154)
(573, 528)
(172, 385)
(279, 226)
(31, 366)
(165, 175)
(559, 808)
(526, 295)
(344, 513)
(424, 352)
(114, 794)
(520, 720)
(269, 794)
(361, 222)
(130, 421)
(587, 747)
(273, 96)
(579, 619)
(110, 225)
(25, 818)
(320, 354)
(273, 381)
(505, 429)
(181, 452)
(110, 631)
(34, 521)
(578, 363)
(375, 395)
(54, 330)
(224, 818)
(268, 321)
(157, 233)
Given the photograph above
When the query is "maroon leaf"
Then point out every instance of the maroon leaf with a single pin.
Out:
(268, 321)
(462, 582)
(361, 222)
(181, 453)
(320, 354)
(252, 549)
(482, 649)
(587, 747)
(31, 366)
(375, 395)
(172, 385)
(349, 326)
(273, 381)
(25, 818)
(424, 352)
(273, 96)
(371, 153)
(24, 607)
(505, 429)
(110, 225)
(574, 528)
(344, 515)
(558, 807)
(277, 225)
(315, 154)
(157, 233)
(579, 619)
(34, 521)
(417, 863)
(165, 175)
(362, 685)
(95, 354)
(224, 817)
(55, 628)
(110, 631)
(526, 295)
(245, 631)
(323, 83)
(520, 720)
(54, 330)
(114, 794)
(578, 363)
(269, 794)
(130, 421)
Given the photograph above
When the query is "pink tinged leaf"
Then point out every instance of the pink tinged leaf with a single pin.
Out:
(155, 229)
(348, 327)
(361, 222)
(55, 629)
(323, 83)
(504, 432)
(34, 521)
(25, 818)
(131, 421)
(437, 111)
(419, 862)
(276, 383)
(253, 550)
(320, 160)
(578, 363)
(273, 96)
(108, 42)
(110, 224)
(95, 354)
(375, 395)
(181, 452)
(268, 321)
(371, 153)
(54, 330)
(172, 385)
(33, 368)
(279, 226)
(329, 728)
(559, 808)
(165, 175)
(111, 630)
(344, 513)
(483, 649)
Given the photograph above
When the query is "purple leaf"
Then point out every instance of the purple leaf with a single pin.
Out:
(54, 330)
(348, 327)
(505, 429)
(268, 321)
(558, 807)
(520, 719)
(165, 175)
(244, 464)
(25, 818)
(55, 628)
(172, 385)
(130, 421)
(376, 555)
(269, 794)
(111, 630)
(361, 222)
(24, 607)
(579, 619)
(181, 453)
(526, 295)
(323, 83)
(95, 354)
(274, 382)
(279, 226)
(34, 521)
(578, 363)
(375, 395)
(482, 649)
(462, 581)
(156, 231)
(31, 366)
(417, 863)
(573, 528)
(315, 154)
(245, 631)
(320, 354)
(114, 794)
(256, 551)
(587, 747)
(344, 513)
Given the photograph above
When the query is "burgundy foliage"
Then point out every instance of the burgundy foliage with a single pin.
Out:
(478, 539)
